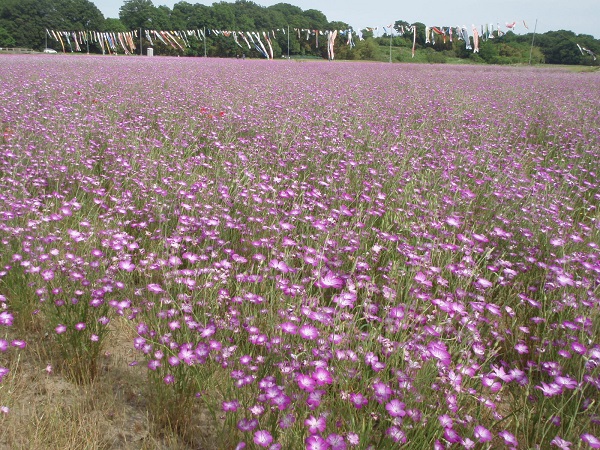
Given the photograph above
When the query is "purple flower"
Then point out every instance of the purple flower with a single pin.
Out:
(382, 391)
(336, 442)
(482, 434)
(440, 352)
(280, 266)
(155, 288)
(287, 421)
(395, 408)
(396, 434)
(232, 405)
(521, 348)
(445, 421)
(353, 438)
(257, 410)
(247, 424)
(316, 442)
(591, 440)
(451, 436)
(550, 390)
(483, 283)
(6, 319)
(263, 438)
(288, 327)
(47, 275)
(421, 278)
(358, 400)
(60, 329)
(330, 280)
(305, 382)
(316, 425)
(128, 266)
(509, 438)
(154, 364)
(309, 332)
(18, 343)
(561, 443)
(322, 376)
(566, 382)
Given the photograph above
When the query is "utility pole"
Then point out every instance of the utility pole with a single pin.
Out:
(391, 45)
(288, 42)
(87, 38)
(532, 40)
(141, 49)
(204, 33)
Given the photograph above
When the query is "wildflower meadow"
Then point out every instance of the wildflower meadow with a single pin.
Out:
(312, 255)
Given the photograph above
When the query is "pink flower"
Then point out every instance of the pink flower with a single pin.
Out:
(483, 283)
(154, 288)
(263, 438)
(308, 332)
(127, 266)
(396, 434)
(47, 275)
(336, 442)
(421, 278)
(453, 221)
(305, 382)
(316, 425)
(330, 280)
(358, 400)
(279, 265)
(591, 440)
(230, 406)
(565, 280)
(439, 351)
(550, 390)
(561, 443)
(316, 442)
(322, 376)
(6, 319)
(482, 434)
(395, 408)
(509, 438)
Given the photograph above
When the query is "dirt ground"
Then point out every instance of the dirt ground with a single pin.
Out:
(47, 411)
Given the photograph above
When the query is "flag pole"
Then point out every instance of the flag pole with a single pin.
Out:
(204, 32)
(391, 45)
(288, 36)
(532, 40)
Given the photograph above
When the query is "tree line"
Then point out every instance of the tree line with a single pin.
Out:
(23, 23)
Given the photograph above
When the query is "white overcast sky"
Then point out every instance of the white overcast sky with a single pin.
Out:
(579, 16)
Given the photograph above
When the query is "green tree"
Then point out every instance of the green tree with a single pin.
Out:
(367, 49)
(26, 21)
(79, 15)
(316, 19)
(114, 25)
(6, 40)
(137, 14)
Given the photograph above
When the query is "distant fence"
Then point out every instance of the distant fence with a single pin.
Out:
(17, 50)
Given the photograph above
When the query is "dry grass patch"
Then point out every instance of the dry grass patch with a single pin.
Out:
(47, 411)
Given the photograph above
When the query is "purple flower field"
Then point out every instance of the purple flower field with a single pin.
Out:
(323, 255)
